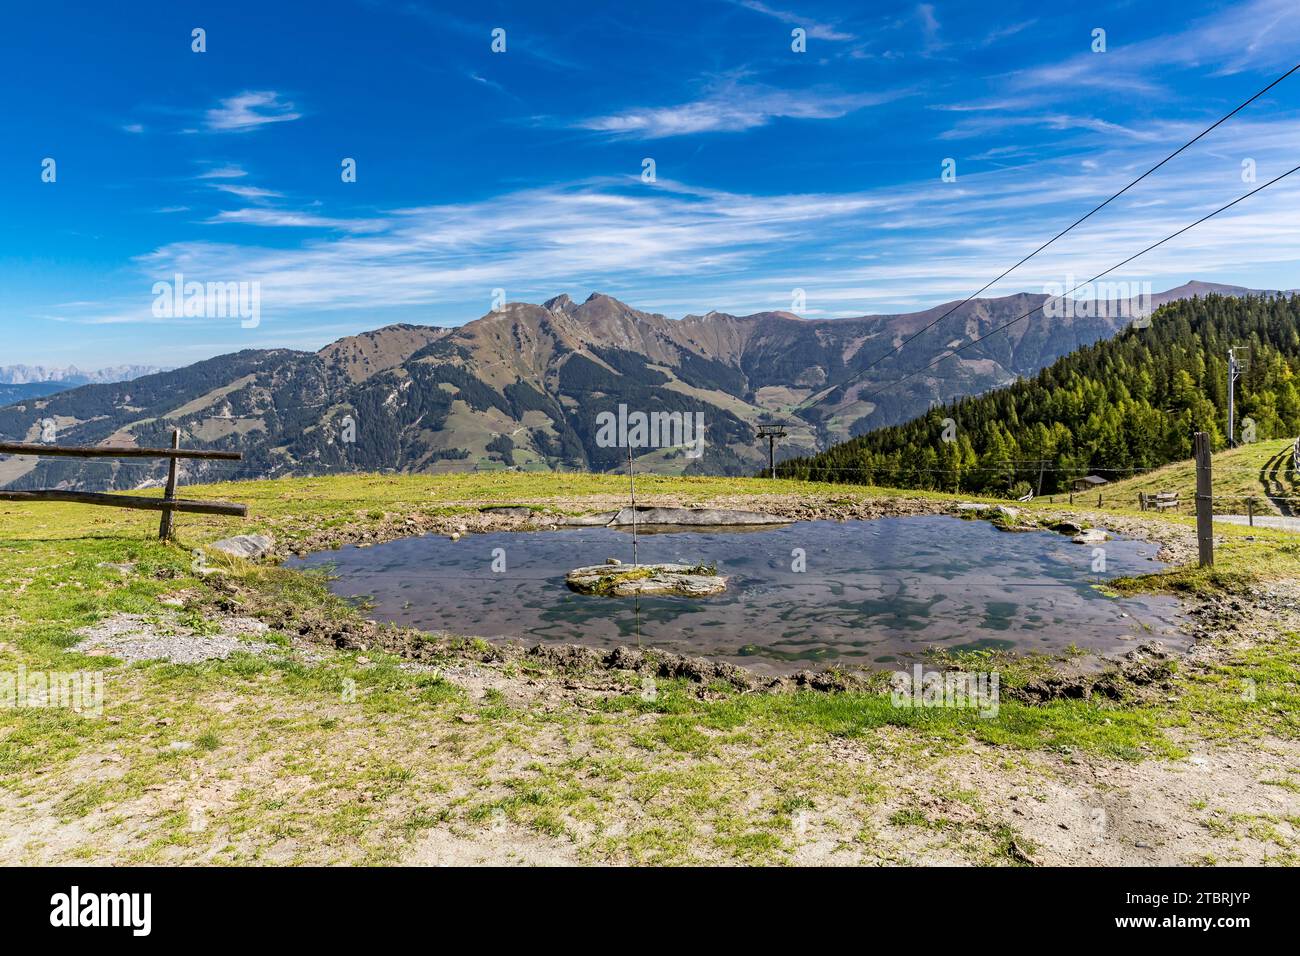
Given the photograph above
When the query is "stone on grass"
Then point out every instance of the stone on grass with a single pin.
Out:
(250, 547)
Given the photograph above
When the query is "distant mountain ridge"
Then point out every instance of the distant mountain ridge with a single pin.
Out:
(522, 388)
(17, 393)
(1126, 404)
(71, 375)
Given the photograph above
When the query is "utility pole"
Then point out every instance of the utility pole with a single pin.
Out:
(1235, 368)
(771, 433)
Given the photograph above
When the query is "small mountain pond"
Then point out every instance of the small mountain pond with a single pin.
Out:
(870, 593)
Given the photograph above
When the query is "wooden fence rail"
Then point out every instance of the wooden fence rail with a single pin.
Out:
(167, 504)
(114, 451)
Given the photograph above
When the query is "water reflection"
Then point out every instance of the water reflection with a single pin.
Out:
(872, 592)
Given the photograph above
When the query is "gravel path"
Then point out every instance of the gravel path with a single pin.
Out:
(1263, 521)
(133, 637)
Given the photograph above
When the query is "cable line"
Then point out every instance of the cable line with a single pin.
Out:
(1081, 219)
(1021, 318)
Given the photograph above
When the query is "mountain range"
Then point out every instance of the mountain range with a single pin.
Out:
(522, 387)
(1120, 406)
(70, 375)
(19, 382)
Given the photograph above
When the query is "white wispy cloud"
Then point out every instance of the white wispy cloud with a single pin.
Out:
(815, 29)
(249, 110)
(929, 25)
(262, 216)
(733, 107)
(1251, 35)
(985, 123)
(674, 247)
(247, 192)
(223, 172)
(484, 81)
(1002, 33)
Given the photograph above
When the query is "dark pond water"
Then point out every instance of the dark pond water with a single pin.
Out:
(873, 592)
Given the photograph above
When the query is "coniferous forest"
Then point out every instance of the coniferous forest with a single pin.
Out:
(1119, 406)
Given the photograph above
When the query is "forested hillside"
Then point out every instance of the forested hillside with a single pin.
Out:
(1127, 403)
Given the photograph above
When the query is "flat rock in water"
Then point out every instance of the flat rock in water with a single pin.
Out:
(617, 580)
(1091, 536)
(250, 547)
(693, 516)
(590, 521)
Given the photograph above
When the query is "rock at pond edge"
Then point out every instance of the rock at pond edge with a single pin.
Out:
(250, 547)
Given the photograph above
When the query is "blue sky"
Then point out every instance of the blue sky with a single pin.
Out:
(522, 170)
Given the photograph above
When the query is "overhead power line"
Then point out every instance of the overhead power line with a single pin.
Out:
(1223, 119)
(1118, 265)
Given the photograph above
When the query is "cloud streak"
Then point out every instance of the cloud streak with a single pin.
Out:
(249, 110)
(815, 30)
(674, 247)
(731, 108)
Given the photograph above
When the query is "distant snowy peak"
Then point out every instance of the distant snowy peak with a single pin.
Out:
(71, 375)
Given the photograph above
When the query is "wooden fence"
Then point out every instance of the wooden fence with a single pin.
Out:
(1160, 501)
(168, 504)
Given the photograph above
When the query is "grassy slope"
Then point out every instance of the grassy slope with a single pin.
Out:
(1238, 474)
(286, 767)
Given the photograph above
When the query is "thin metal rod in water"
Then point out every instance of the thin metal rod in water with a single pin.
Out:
(632, 492)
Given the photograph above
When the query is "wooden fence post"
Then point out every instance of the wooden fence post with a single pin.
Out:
(1204, 501)
(169, 494)
(1250, 511)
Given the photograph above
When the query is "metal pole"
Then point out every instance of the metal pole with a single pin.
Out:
(771, 433)
(1204, 501)
(165, 525)
(1232, 379)
(631, 484)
